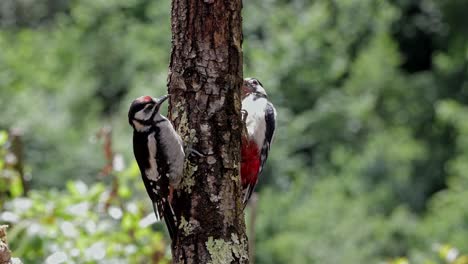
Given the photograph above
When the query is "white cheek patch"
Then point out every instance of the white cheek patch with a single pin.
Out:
(144, 114)
(139, 127)
(261, 90)
(140, 115)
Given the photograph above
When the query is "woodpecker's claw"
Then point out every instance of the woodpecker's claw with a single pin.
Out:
(189, 151)
(194, 151)
(244, 115)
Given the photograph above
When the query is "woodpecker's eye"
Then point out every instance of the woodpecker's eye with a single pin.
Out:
(254, 82)
(148, 108)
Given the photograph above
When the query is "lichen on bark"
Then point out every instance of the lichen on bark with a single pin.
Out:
(188, 181)
(222, 251)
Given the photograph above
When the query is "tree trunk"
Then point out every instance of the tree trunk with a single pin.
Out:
(5, 253)
(204, 82)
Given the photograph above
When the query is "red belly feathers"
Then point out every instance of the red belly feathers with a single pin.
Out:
(250, 163)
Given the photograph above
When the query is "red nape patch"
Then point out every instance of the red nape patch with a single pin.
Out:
(250, 163)
(145, 98)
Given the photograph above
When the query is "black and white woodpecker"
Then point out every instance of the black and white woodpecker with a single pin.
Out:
(259, 116)
(160, 155)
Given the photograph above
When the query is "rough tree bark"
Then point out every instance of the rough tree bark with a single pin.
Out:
(5, 253)
(204, 82)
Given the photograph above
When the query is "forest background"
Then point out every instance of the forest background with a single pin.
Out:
(370, 159)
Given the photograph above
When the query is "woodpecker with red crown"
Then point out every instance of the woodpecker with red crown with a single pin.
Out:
(160, 155)
(259, 116)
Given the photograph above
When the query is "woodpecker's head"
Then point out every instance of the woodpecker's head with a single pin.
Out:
(143, 109)
(252, 85)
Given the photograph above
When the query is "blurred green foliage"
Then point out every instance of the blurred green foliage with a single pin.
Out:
(369, 164)
(10, 181)
(83, 224)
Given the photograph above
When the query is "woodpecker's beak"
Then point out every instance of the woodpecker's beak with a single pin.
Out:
(246, 89)
(161, 99)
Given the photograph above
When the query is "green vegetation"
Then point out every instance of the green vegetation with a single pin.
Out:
(369, 164)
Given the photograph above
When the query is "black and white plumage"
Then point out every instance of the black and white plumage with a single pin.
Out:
(159, 152)
(260, 122)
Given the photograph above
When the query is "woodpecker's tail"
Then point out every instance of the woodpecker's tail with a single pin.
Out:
(165, 210)
(171, 220)
(247, 193)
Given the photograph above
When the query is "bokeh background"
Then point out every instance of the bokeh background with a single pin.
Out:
(370, 160)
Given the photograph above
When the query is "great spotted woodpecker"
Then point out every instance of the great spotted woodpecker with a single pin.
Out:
(159, 152)
(259, 116)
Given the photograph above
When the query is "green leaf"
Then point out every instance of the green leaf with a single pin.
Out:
(3, 137)
(16, 186)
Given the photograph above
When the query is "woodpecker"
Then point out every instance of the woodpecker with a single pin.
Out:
(259, 116)
(160, 155)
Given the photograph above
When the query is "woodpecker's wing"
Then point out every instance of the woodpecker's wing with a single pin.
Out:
(145, 148)
(270, 121)
(165, 168)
